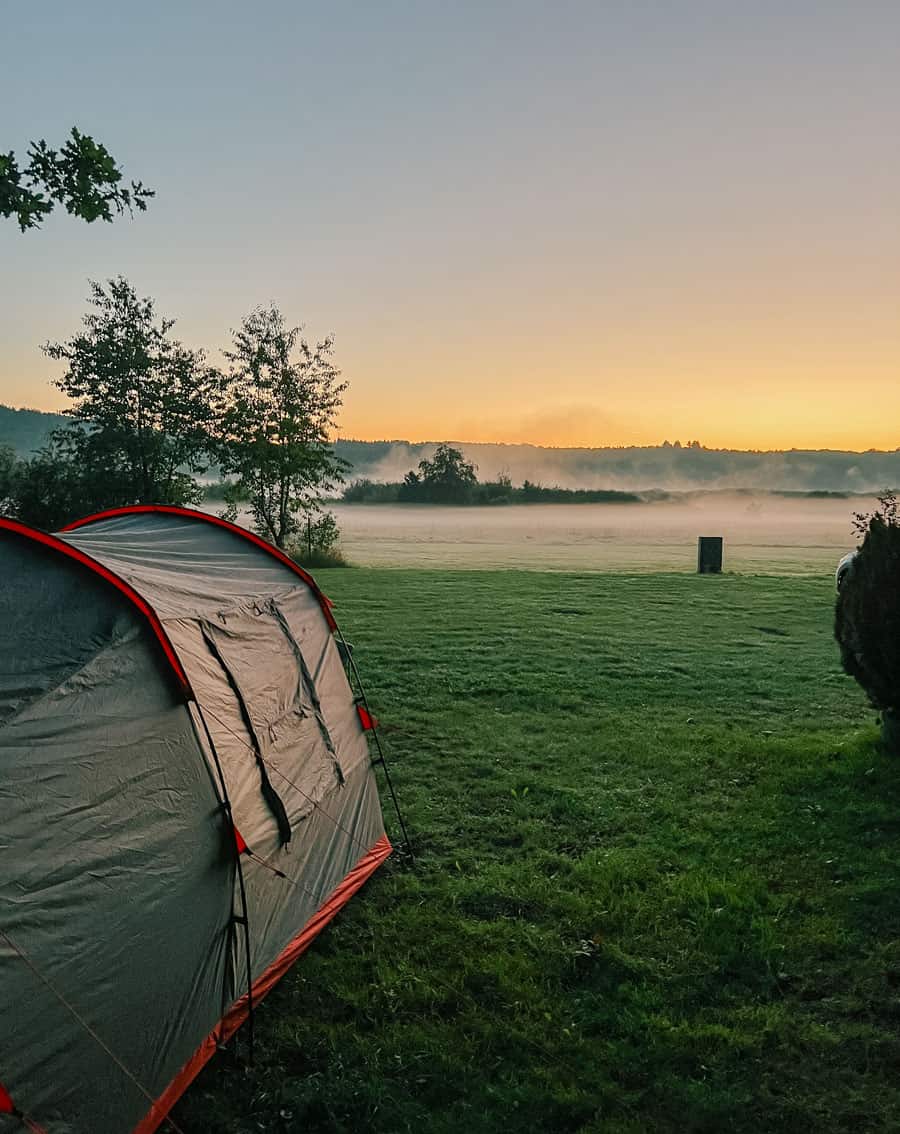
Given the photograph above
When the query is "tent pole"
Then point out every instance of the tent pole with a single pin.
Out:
(361, 698)
(244, 918)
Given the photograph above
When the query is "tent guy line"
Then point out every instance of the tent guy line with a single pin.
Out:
(363, 700)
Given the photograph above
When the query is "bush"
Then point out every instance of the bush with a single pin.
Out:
(365, 491)
(228, 491)
(316, 559)
(867, 615)
(78, 473)
(318, 545)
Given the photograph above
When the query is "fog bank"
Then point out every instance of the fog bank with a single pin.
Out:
(643, 469)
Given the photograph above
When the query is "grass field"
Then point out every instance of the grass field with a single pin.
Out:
(658, 876)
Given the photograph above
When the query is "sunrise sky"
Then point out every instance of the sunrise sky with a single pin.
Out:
(562, 223)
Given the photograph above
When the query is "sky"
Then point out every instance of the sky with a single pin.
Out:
(604, 223)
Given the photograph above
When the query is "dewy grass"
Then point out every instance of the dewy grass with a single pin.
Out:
(656, 887)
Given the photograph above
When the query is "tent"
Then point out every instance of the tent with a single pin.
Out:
(186, 799)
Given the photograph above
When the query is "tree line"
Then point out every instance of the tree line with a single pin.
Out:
(149, 415)
(630, 469)
(639, 469)
(448, 478)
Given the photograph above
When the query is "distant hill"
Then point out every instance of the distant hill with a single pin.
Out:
(633, 469)
(26, 430)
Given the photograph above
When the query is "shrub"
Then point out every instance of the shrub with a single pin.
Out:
(318, 545)
(316, 559)
(365, 491)
(867, 615)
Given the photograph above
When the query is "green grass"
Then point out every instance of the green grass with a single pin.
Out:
(658, 876)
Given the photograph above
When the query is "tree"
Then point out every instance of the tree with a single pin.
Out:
(281, 402)
(83, 176)
(410, 490)
(446, 479)
(144, 403)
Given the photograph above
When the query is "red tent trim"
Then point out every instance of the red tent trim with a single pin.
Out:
(149, 614)
(7, 1106)
(237, 1014)
(192, 514)
(365, 718)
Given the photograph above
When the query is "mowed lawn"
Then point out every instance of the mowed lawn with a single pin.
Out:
(657, 884)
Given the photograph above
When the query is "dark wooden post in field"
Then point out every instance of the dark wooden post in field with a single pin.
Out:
(709, 554)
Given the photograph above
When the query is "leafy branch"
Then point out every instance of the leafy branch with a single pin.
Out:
(82, 175)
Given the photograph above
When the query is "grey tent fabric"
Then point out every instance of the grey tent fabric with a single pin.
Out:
(119, 955)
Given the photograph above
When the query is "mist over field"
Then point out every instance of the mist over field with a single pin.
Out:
(670, 467)
(763, 535)
(731, 493)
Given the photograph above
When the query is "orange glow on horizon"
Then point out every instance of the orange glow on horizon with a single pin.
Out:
(799, 424)
(887, 440)
(753, 382)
